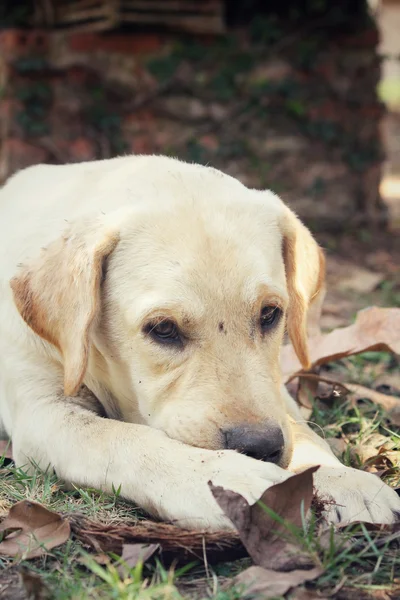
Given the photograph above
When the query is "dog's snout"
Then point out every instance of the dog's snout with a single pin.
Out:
(266, 443)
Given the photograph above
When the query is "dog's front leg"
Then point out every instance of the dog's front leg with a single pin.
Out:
(163, 476)
(353, 495)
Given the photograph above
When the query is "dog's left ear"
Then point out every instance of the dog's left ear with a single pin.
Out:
(305, 275)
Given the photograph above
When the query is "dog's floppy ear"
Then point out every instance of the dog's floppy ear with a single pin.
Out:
(305, 275)
(58, 295)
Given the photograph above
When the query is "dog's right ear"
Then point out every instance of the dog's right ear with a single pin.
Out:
(305, 274)
(58, 295)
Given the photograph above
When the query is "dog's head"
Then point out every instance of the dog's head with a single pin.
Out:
(173, 311)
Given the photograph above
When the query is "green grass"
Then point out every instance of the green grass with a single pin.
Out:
(45, 488)
(90, 580)
(356, 562)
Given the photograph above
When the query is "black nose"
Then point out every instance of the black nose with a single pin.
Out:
(262, 443)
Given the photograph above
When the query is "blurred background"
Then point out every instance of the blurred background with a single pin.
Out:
(302, 97)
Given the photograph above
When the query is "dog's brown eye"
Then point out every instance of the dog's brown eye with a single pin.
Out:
(165, 331)
(269, 315)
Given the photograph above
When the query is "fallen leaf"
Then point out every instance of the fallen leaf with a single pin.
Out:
(374, 329)
(6, 449)
(260, 584)
(384, 462)
(132, 554)
(332, 389)
(309, 384)
(348, 275)
(268, 541)
(360, 281)
(312, 386)
(336, 314)
(369, 447)
(363, 393)
(30, 530)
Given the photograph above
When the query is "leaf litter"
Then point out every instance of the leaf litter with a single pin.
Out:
(266, 527)
(374, 329)
(267, 531)
(31, 530)
(133, 554)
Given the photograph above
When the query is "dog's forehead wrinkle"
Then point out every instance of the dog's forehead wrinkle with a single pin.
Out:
(194, 280)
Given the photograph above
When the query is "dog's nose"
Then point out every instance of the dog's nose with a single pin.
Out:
(262, 443)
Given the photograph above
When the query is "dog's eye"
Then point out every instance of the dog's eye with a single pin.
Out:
(165, 331)
(269, 315)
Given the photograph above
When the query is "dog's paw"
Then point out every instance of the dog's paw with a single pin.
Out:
(352, 495)
(190, 503)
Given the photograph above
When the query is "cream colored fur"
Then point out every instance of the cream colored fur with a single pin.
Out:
(90, 254)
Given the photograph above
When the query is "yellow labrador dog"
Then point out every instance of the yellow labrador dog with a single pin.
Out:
(164, 288)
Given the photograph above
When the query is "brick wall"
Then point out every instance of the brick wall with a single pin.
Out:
(302, 120)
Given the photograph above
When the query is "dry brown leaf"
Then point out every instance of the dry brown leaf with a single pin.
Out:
(262, 583)
(132, 554)
(31, 530)
(349, 275)
(311, 383)
(311, 386)
(361, 392)
(370, 447)
(360, 281)
(5, 449)
(267, 541)
(384, 462)
(374, 329)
